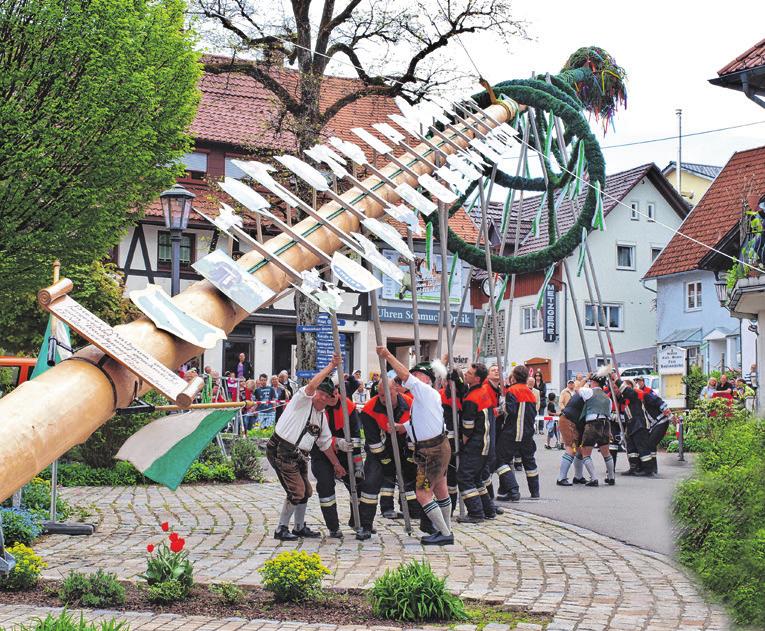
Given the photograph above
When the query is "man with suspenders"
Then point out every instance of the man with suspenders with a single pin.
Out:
(301, 425)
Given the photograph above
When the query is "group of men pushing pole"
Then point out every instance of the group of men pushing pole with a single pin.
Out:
(495, 424)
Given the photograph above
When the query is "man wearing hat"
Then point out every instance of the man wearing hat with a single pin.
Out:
(432, 449)
(597, 425)
(302, 424)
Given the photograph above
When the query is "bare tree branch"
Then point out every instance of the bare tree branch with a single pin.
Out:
(291, 104)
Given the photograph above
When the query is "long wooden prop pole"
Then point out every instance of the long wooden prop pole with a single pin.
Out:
(346, 423)
(45, 417)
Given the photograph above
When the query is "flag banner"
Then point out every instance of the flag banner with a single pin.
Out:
(549, 135)
(580, 260)
(164, 449)
(598, 219)
(578, 171)
(506, 210)
(535, 224)
(58, 329)
(429, 246)
(501, 293)
(541, 294)
(453, 270)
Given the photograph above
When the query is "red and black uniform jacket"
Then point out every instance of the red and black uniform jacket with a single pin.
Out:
(335, 418)
(476, 407)
(631, 403)
(520, 412)
(374, 420)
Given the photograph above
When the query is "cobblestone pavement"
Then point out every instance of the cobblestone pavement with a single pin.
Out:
(582, 580)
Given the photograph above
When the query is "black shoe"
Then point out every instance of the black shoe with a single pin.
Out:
(490, 515)
(306, 533)
(283, 534)
(631, 472)
(336, 534)
(362, 534)
(534, 496)
(392, 514)
(592, 483)
(564, 482)
(499, 511)
(610, 481)
(580, 480)
(508, 497)
(469, 519)
(548, 447)
(518, 467)
(644, 473)
(437, 539)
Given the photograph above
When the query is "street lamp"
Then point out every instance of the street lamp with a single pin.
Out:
(721, 287)
(176, 207)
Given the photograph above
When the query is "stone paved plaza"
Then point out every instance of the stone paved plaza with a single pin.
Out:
(580, 579)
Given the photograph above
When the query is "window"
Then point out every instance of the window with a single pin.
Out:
(693, 296)
(164, 250)
(613, 315)
(651, 211)
(655, 251)
(625, 256)
(531, 319)
(234, 171)
(694, 356)
(196, 164)
(634, 213)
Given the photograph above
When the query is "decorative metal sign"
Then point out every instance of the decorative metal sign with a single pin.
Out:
(386, 266)
(234, 282)
(390, 235)
(154, 302)
(122, 350)
(413, 198)
(353, 275)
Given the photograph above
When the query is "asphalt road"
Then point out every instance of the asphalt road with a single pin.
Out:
(636, 510)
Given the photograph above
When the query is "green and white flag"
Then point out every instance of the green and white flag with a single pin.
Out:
(549, 135)
(535, 224)
(453, 270)
(506, 210)
(580, 260)
(429, 245)
(541, 294)
(501, 293)
(58, 329)
(578, 172)
(164, 449)
(598, 219)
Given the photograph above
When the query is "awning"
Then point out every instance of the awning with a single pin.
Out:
(682, 337)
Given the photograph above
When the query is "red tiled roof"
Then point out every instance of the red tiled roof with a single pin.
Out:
(237, 110)
(752, 58)
(618, 185)
(718, 211)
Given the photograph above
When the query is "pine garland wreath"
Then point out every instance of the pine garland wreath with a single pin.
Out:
(590, 81)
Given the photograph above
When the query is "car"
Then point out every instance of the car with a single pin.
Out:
(636, 371)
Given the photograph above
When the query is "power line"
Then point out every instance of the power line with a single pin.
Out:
(697, 133)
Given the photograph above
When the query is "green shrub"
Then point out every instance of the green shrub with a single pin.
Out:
(201, 472)
(80, 474)
(412, 592)
(27, 570)
(246, 458)
(20, 526)
(170, 564)
(65, 622)
(721, 511)
(36, 497)
(98, 590)
(229, 593)
(167, 592)
(294, 575)
(212, 454)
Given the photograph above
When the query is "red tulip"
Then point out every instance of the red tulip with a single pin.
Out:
(150, 548)
(177, 545)
(173, 536)
(165, 526)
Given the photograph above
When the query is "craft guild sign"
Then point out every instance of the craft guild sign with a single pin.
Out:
(671, 360)
(550, 315)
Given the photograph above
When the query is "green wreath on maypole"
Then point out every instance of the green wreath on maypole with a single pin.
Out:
(589, 81)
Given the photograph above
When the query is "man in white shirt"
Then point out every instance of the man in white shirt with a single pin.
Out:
(431, 447)
(302, 424)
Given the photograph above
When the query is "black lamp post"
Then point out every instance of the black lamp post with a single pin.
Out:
(176, 207)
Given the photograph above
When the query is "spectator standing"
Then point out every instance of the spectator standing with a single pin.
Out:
(708, 390)
(264, 398)
(551, 424)
(541, 386)
(232, 385)
(531, 385)
(374, 384)
(566, 395)
(242, 369)
(361, 396)
(723, 385)
(287, 384)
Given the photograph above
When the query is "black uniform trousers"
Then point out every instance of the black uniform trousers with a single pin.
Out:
(508, 449)
(379, 484)
(324, 473)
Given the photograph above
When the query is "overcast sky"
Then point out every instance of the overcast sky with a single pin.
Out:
(669, 51)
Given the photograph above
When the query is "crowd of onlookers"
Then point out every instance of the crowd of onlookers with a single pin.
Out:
(735, 390)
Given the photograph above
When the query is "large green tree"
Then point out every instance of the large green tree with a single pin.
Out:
(95, 100)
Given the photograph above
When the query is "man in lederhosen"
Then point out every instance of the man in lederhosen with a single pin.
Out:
(302, 425)
(322, 467)
(432, 449)
(571, 426)
(379, 466)
(597, 425)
